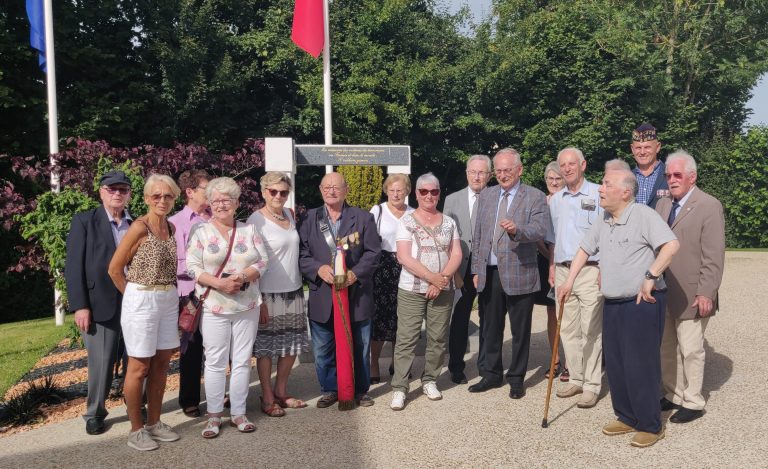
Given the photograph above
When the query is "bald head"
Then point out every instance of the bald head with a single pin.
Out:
(334, 189)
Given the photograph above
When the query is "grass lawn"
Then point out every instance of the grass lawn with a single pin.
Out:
(23, 343)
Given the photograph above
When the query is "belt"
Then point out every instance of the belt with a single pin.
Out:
(630, 298)
(154, 287)
(568, 263)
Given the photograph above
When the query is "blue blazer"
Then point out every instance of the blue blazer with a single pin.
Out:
(362, 259)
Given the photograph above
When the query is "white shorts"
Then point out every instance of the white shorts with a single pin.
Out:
(150, 320)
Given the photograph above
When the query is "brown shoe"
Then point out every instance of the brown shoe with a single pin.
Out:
(645, 439)
(569, 390)
(588, 400)
(617, 427)
(327, 400)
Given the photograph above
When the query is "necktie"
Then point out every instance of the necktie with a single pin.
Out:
(673, 213)
(501, 214)
(473, 215)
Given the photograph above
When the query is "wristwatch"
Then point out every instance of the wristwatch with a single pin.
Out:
(650, 276)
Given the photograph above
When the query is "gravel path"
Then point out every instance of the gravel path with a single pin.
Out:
(463, 429)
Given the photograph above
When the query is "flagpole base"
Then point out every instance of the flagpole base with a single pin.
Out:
(347, 405)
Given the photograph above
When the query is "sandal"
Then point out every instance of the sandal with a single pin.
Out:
(558, 370)
(565, 376)
(212, 428)
(242, 423)
(192, 412)
(273, 409)
(289, 402)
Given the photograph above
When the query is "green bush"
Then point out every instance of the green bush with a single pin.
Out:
(364, 185)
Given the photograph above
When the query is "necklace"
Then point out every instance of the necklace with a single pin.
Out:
(275, 216)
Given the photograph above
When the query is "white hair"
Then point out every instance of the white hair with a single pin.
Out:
(427, 178)
(682, 155)
(223, 185)
(617, 165)
(509, 151)
(573, 150)
(483, 158)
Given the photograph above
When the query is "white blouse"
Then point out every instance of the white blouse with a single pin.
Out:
(282, 274)
(386, 223)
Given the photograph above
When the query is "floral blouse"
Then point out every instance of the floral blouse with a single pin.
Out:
(206, 250)
(431, 246)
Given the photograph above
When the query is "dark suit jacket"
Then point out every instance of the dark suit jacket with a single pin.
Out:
(697, 268)
(90, 246)
(362, 259)
(518, 265)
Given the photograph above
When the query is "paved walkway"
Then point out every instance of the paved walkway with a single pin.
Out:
(464, 429)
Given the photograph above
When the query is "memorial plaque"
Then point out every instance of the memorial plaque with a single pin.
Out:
(361, 155)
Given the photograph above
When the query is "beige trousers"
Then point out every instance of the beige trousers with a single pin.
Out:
(581, 330)
(682, 361)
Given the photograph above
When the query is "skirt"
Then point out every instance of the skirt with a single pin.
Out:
(385, 281)
(285, 333)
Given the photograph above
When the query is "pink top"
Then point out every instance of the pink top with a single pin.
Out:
(184, 220)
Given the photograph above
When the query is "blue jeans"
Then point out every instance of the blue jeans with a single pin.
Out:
(324, 348)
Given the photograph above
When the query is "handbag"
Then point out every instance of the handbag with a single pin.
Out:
(190, 306)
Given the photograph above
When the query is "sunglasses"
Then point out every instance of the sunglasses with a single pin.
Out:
(674, 175)
(274, 192)
(432, 192)
(117, 190)
(158, 197)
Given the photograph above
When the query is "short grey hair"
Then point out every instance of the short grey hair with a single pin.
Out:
(427, 178)
(682, 155)
(222, 185)
(554, 167)
(628, 179)
(483, 158)
(155, 179)
(509, 151)
(573, 150)
(617, 165)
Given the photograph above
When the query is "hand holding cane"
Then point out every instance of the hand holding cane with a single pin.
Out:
(553, 360)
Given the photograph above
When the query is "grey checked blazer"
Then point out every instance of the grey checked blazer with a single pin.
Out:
(518, 267)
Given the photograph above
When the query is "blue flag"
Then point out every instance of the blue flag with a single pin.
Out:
(36, 15)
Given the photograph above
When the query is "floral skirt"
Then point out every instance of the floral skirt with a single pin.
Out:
(385, 281)
(285, 333)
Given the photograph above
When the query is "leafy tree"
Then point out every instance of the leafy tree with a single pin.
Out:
(364, 185)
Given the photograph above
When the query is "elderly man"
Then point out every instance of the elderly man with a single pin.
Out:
(196, 210)
(93, 238)
(574, 211)
(628, 239)
(320, 229)
(649, 171)
(462, 207)
(511, 218)
(693, 279)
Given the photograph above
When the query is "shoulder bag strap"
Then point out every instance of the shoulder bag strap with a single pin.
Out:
(226, 259)
(325, 229)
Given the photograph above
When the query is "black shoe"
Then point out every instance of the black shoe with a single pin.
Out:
(667, 405)
(327, 400)
(685, 415)
(375, 380)
(459, 377)
(484, 385)
(95, 426)
(516, 391)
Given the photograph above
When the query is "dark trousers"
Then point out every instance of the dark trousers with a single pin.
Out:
(495, 305)
(459, 332)
(631, 344)
(190, 372)
(100, 340)
(324, 349)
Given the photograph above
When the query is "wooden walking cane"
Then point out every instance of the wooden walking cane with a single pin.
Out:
(553, 360)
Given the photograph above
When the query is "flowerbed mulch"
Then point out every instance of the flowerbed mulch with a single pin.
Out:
(69, 370)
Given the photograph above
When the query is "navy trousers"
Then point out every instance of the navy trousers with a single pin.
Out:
(324, 349)
(631, 344)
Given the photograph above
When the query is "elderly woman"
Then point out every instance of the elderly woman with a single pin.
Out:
(149, 319)
(554, 181)
(429, 249)
(230, 318)
(283, 323)
(385, 279)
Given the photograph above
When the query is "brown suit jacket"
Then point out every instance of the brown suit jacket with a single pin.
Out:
(697, 268)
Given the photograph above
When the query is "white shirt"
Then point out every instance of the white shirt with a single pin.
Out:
(387, 225)
(282, 245)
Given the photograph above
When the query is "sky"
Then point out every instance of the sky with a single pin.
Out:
(758, 103)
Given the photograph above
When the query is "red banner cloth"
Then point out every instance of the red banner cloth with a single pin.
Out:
(342, 330)
(308, 32)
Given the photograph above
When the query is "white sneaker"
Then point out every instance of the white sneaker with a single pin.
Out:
(398, 400)
(141, 440)
(430, 389)
(161, 432)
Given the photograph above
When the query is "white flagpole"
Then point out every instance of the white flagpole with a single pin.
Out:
(53, 129)
(327, 82)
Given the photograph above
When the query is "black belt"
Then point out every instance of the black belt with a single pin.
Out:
(629, 298)
(568, 263)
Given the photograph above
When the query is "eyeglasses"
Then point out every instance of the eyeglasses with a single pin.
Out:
(274, 192)
(158, 197)
(504, 170)
(332, 188)
(395, 191)
(117, 190)
(432, 192)
(202, 188)
(551, 179)
(675, 175)
(474, 173)
(222, 202)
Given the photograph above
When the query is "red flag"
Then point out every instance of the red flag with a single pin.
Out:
(308, 32)
(342, 331)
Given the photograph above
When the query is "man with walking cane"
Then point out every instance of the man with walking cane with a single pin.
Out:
(628, 239)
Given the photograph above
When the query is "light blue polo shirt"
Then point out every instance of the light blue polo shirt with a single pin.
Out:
(573, 214)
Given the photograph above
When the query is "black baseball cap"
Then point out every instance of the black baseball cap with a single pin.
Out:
(114, 177)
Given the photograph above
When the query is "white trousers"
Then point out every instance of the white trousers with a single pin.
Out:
(225, 336)
(682, 361)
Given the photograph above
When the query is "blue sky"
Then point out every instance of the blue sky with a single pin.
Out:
(758, 103)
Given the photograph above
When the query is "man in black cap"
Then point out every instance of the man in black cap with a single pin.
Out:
(650, 170)
(91, 294)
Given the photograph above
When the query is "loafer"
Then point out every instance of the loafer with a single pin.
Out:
(569, 390)
(617, 427)
(646, 439)
(667, 405)
(588, 400)
(484, 385)
(459, 377)
(327, 400)
(516, 391)
(95, 426)
(685, 415)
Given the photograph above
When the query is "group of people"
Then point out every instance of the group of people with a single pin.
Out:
(636, 261)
